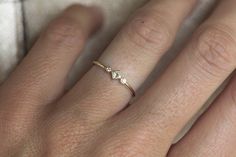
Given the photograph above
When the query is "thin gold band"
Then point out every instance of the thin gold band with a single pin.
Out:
(115, 76)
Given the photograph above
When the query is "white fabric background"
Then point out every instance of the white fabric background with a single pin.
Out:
(37, 13)
(10, 36)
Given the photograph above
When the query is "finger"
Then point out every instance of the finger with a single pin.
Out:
(189, 81)
(214, 134)
(41, 77)
(135, 52)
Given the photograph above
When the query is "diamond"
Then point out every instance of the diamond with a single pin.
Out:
(123, 81)
(108, 69)
(115, 75)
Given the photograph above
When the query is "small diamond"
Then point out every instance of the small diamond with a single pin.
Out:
(123, 81)
(118, 76)
(115, 75)
(108, 69)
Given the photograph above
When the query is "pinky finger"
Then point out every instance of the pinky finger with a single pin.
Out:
(214, 134)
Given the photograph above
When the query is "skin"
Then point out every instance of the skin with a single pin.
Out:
(39, 118)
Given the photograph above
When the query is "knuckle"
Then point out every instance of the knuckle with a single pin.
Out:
(66, 133)
(127, 143)
(214, 49)
(69, 126)
(149, 29)
(65, 32)
(13, 128)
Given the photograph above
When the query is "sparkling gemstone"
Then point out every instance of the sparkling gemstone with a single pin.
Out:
(123, 81)
(115, 75)
(108, 69)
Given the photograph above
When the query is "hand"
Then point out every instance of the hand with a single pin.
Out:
(39, 119)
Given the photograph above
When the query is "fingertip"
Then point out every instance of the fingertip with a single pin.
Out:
(89, 17)
(97, 14)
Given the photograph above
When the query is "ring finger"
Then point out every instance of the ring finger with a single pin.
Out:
(188, 82)
(135, 51)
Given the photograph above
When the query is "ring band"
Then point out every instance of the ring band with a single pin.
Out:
(115, 75)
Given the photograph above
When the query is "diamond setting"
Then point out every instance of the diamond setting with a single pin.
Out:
(123, 81)
(108, 69)
(115, 75)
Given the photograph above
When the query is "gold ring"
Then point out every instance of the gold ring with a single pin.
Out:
(115, 75)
